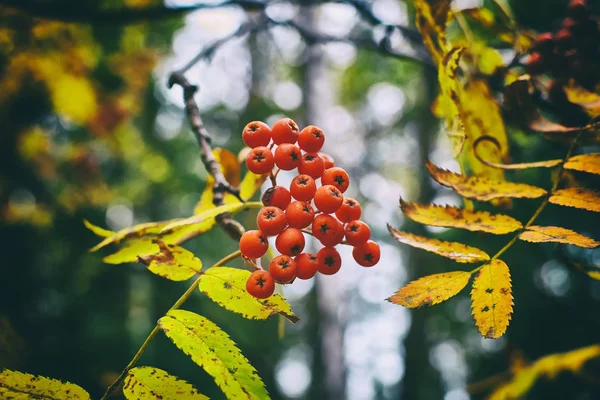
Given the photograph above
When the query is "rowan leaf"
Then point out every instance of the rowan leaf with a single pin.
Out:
(227, 287)
(172, 262)
(456, 251)
(21, 386)
(132, 250)
(453, 217)
(250, 184)
(586, 199)
(482, 188)
(585, 162)
(231, 171)
(543, 234)
(212, 349)
(589, 101)
(431, 290)
(137, 231)
(210, 213)
(491, 299)
(447, 102)
(149, 383)
(98, 230)
(432, 17)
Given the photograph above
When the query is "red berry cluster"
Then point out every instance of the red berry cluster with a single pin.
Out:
(571, 52)
(306, 207)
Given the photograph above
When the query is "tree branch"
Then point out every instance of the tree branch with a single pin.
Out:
(221, 186)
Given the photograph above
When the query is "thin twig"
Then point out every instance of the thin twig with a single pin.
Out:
(154, 331)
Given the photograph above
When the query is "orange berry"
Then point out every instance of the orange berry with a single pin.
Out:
(367, 254)
(287, 156)
(299, 214)
(327, 160)
(260, 160)
(311, 139)
(290, 242)
(307, 265)
(329, 261)
(337, 177)
(349, 211)
(283, 269)
(357, 233)
(271, 221)
(303, 188)
(326, 229)
(285, 131)
(276, 196)
(328, 199)
(256, 134)
(260, 284)
(311, 164)
(253, 244)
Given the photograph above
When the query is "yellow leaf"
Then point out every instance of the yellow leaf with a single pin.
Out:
(136, 231)
(585, 162)
(517, 387)
(431, 290)
(98, 230)
(432, 16)
(590, 101)
(453, 250)
(227, 287)
(543, 234)
(132, 250)
(149, 383)
(577, 197)
(250, 184)
(172, 262)
(212, 349)
(183, 234)
(491, 299)
(481, 188)
(447, 103)
(74, 97)
(231, 170)
(453, 217)
(18, 385)
(211, 213)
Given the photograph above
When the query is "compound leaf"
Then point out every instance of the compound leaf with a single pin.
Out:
(543, 234)
(431, 290)
(18, 385)
(212, 349)
(491, 299)
(482, 188)
(227, 287)
(456, 251)
(453, 217)
(577, 197)
(149, 383)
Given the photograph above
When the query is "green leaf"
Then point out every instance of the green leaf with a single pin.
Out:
(227, 287)
(212, 349)
(172, 262)
(17, 385)
(213, 212)
(149, 383)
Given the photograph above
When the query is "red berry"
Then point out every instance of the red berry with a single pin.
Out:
(311, 164)
(256, 134)
(285, 131)
(283, 269)
(277, 196)
(543, 43)
(337, 177)
(327, 160)
(357, 233)
(578, 9)
(260, 160)
(349, 211)
(300, 214)
(327, 230)
(535, 64)
(303, 188)
(290, 242)
(260, 284)
(271, 221)
(311, 139)
(328, 199)
(287, 156)
(329, 261)
(253, 244)
(367, 254)
(307, 265)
